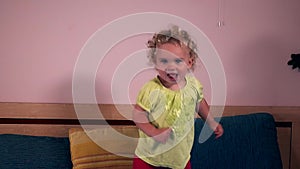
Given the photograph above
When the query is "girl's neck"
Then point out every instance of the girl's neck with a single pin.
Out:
(172, 86)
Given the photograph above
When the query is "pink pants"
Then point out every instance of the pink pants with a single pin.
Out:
(140, 164)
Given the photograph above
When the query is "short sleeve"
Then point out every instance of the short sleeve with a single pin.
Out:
(143, 99)
(200, 91)
(197, 87)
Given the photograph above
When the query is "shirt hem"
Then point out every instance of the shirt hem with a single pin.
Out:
(153, 163)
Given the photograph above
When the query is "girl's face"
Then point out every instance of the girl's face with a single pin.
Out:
(172, 63)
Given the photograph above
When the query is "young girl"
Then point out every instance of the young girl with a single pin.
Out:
(166, 105)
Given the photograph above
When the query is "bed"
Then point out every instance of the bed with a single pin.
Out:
(249, 141)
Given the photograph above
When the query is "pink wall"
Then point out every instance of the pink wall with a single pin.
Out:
(41, 40)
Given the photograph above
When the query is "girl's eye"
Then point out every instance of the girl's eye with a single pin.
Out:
(163, 61)
(178, 60)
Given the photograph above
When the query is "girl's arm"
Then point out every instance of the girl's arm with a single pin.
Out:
(140, 117)
(203, 111)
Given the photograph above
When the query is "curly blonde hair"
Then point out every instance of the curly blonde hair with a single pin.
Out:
(172, 35)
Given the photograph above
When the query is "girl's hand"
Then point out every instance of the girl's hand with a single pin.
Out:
(219, 131)
(162, 134)
(217, 128)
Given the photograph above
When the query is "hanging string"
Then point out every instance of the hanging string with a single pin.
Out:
(220, 13)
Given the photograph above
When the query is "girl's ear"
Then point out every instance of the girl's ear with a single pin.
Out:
(190, 63)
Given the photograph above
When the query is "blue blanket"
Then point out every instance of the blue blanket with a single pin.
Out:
(34, 152)
(249, 142)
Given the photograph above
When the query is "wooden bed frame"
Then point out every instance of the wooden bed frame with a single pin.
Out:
(40, 119)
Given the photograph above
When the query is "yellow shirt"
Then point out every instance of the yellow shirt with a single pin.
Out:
(169, 108)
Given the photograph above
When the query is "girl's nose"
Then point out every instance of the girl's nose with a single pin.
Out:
(170, 68)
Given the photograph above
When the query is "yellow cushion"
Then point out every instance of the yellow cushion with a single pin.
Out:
(103, 148)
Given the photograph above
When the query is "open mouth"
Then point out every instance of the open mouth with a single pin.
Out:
(172, 76)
